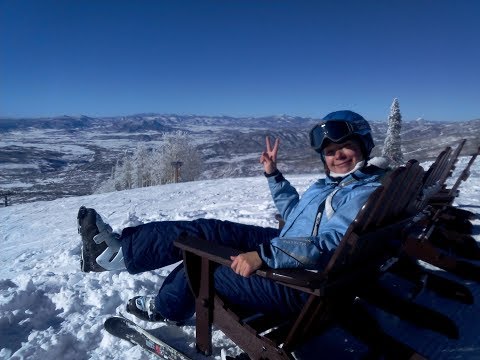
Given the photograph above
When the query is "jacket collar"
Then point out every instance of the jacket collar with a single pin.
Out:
(373, 168)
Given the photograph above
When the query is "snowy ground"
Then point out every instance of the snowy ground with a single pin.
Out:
(51, 310)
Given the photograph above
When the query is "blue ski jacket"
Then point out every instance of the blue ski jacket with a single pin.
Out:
(316, 222)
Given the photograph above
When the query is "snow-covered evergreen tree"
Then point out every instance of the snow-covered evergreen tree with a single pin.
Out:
(149, 167)
(141, 159)
(128, 177)
(392, 147)
(179, 147)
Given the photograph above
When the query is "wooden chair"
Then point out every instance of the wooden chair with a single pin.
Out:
(450, 165)
(439, 236)
(437, 173)
(435, 191)
(453, 228)
(372, 239)
(446, 196)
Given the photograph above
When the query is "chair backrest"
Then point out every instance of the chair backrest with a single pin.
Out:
(435, 171)
(450, 166)
(436, 175)
(401, 190)
(465, 173)
(443, 166)
(385, 206)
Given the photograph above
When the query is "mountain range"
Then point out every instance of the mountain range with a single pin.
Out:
(48, 158)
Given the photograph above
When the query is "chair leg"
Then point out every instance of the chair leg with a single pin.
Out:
(256, 346)
(314, 313)
(204, 308)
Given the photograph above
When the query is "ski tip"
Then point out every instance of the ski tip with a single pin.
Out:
(113, 319)
(108, 321)
(118, 316)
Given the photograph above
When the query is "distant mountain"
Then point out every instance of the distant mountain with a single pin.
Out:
(138, 122)
(45, 158)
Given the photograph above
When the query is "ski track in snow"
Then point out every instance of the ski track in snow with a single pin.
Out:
(51, 310)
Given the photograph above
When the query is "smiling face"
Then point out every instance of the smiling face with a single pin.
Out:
(342, 158)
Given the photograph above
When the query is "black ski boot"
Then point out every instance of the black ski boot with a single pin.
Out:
(143, 307)
(87, 228)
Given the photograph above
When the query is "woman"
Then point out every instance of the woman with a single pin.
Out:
(314, 226)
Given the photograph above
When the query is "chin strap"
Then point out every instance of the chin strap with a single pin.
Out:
(358, 165)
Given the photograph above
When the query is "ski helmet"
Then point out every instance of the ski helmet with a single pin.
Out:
(340, 126)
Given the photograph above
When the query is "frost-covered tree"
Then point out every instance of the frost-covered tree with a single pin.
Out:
(177, 146)
(148, 167)
(141, 159)
(128, 169)
(392, 147)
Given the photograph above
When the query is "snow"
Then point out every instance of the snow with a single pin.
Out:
(16, 184)
(49, 309)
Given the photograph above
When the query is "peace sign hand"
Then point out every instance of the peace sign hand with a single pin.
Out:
(269, 157)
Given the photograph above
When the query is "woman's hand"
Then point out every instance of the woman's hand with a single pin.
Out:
(269, 157)
(246, 264)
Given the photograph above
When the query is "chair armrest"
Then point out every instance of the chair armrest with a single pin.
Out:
(202, 248)
(299, 278)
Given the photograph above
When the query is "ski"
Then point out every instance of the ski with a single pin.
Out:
(126, 329)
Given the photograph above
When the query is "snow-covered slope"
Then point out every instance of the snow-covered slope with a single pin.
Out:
(51, 310)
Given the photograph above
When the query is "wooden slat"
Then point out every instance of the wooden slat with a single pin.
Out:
(437, 168)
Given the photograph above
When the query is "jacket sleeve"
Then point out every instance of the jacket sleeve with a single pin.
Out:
(284, 195)
(314, 252)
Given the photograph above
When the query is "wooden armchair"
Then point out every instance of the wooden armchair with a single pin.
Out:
(445, 196)
(372, 239)
(439, 235)
(442, 235)
(437, 174)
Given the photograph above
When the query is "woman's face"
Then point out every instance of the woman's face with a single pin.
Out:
(341, 158)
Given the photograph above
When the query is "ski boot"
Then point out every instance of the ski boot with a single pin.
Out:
(143, 307)
(101, 249)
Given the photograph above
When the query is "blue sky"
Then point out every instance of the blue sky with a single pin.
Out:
(240, 57)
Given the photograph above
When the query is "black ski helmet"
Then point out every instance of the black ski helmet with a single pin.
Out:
(339, 126)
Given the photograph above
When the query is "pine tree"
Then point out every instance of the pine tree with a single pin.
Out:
(392, 147)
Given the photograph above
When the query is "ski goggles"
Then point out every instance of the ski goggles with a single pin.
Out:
(335, 131)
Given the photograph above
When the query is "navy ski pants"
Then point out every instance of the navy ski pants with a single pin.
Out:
(150, 246)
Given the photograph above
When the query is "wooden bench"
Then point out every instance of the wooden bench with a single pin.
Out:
(371, 240)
